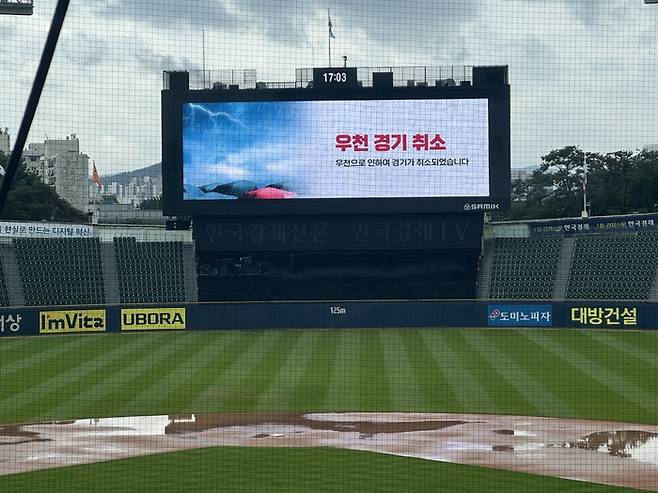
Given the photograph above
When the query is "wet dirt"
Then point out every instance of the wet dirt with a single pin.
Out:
(603, 452)
(639, 445)
(15, 434)
(210, 421)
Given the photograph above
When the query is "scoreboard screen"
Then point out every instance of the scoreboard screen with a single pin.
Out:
(369, 151)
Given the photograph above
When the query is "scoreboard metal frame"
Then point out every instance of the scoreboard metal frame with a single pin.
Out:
(499, 199)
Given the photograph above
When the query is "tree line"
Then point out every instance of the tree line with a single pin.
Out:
(621, 182)
(32, 200)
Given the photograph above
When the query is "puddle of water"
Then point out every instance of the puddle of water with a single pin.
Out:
(524, 447)
(205, 422)
(182, 424)
(502, 448)
(467, 447)
(638, 445)
(129, 426)
(518, 433)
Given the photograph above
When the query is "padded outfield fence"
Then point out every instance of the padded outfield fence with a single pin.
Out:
(326, 315)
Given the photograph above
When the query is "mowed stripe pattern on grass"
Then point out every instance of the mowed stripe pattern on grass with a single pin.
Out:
(591, 375)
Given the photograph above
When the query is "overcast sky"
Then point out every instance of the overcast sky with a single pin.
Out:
(583, 72)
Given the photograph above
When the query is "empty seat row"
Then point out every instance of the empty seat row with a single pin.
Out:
(60, 271)
(150, 272)
(613, 266)
(524, 267)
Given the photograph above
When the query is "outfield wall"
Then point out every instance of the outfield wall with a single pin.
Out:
(40, 321)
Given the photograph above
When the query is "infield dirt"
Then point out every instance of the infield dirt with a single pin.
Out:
(605, 452)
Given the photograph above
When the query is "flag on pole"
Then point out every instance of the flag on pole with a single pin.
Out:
(331, 26)
(96, 178)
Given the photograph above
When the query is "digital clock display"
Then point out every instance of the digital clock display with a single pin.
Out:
(335, 77)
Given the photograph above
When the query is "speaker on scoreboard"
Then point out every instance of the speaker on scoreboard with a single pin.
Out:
(382, 79)
(490, 76)
(177, 81)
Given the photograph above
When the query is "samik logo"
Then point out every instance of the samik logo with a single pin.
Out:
(153, 319)
(71, 321)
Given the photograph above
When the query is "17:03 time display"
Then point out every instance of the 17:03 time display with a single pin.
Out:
(335, 77)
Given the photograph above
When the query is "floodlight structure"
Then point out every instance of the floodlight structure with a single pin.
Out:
(16, 7)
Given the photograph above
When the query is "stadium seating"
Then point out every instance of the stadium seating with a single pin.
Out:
(613, 266)
(60, 271)
(524, 268)
(150, 272)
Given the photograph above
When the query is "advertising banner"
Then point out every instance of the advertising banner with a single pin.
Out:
(404, 148)
(513, 315)
(576, 226)
(606, 314)
(72, 321)
(153, 319)
(418, 232)
(438, 314)
(21, 229)
(11, 323)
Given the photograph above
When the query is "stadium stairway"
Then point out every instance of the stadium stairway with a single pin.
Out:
(110, 274)
(189, 273)
(484, 270)
(563, 268)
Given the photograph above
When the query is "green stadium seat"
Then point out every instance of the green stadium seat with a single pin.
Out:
(150, 272)
(524, 268)
(60, 271)
(613, 266)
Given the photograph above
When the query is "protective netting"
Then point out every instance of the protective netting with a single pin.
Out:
(85, 247)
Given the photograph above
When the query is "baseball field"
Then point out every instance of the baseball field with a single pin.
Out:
(601, 375)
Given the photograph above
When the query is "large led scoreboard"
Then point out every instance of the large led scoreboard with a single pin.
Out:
(335, 191)
(336, 149)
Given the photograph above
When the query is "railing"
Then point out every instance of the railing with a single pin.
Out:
(16, 7)
(402, 76)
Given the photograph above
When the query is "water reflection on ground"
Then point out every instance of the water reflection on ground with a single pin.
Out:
(604, 452)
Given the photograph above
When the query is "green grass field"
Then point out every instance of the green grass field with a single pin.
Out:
(582, 374)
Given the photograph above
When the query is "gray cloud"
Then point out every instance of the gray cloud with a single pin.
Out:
(153, 62)
(196, 13)
(594, 12)
(582, 71)
(383, 21)
(84, 49)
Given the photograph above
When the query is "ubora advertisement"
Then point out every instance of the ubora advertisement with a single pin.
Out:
(153, 319)
(406, 148)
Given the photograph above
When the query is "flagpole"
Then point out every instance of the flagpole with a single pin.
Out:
(96, 205)
(329, 17)
(203, 35)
